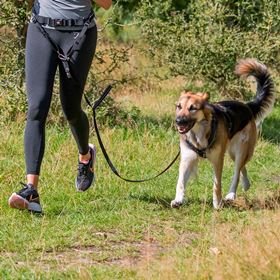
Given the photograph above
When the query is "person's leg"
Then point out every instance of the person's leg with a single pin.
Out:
(41, 63)
(71, 90)
(71, 96)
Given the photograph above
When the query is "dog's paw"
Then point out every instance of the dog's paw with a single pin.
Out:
(176, 204)
(230, 196)
(245, 184)
(217, 205)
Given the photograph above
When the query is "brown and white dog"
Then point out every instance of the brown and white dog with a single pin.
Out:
(208, 130)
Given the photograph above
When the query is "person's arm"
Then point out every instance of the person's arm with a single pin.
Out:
(30, 4)
(106, 4)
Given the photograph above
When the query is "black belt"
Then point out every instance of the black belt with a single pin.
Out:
(59, 22)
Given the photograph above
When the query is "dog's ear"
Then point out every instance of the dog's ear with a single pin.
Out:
(205, 96)
(186, 92)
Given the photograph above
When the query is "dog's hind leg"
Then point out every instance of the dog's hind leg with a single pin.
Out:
(245, 180)
(241, 150)
(234, 183)
(188, 165)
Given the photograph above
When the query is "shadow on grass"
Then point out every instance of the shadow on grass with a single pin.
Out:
(271, 131)
(165, 202)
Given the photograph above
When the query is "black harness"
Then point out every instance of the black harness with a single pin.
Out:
(64, 57)
(236, 116)
(211, 139)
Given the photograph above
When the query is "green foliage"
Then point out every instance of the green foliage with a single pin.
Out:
(204, 41)
(14, 17)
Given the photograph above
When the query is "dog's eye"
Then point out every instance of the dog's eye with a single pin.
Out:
(192, 108)
(178, 106)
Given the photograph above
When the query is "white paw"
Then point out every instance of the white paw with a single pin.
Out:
(230, 196)
(176, 203)
(217, 205)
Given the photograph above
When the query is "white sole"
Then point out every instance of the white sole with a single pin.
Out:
(18, 202)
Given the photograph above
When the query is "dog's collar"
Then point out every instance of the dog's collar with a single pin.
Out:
(211, 139)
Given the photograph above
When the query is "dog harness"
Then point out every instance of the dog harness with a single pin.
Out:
(236, 116)
(64, 57)
(211, 139)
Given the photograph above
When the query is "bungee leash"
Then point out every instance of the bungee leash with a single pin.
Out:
(106, 156)
(66, 62)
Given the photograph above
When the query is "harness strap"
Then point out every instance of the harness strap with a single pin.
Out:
(211, 140)
(108, 160)
(65, 58)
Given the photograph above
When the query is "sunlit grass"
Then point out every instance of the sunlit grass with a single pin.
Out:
(118, 230)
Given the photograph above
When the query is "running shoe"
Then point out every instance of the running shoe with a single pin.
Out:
(85, 175)
(26, 198)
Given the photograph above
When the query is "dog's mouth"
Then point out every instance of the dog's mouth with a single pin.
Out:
(184, 128)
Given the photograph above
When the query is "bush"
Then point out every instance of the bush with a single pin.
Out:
(204, 41)
(109, 59)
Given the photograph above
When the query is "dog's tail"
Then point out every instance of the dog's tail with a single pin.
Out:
(264, 100)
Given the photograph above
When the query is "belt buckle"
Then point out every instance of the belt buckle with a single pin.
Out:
(58, 22)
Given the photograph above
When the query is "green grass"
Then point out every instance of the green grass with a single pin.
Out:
(118, 230)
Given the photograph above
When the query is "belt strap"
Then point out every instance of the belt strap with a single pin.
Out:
(59, 22)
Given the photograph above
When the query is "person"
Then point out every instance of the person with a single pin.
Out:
(61, 34)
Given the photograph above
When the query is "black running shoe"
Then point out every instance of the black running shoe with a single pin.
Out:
(85, 175)
(26, 198)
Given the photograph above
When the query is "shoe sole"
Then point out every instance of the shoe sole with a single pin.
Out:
(94, 159)
(18, 202)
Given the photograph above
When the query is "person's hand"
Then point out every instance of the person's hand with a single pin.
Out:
(106, 4)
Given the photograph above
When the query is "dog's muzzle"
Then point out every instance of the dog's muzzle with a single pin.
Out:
(184, 124)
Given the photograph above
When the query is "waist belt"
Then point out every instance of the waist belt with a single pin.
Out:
(60, 22)
(64, 56)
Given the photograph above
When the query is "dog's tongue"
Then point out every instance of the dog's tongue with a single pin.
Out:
(181, 129)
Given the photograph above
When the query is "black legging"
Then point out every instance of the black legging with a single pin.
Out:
(41, 65)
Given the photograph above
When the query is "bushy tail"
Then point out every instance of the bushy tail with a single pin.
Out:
(264, 100)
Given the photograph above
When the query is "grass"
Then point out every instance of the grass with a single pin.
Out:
(118, 230)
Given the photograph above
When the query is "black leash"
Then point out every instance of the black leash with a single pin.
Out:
(113, 168)
(65, 59)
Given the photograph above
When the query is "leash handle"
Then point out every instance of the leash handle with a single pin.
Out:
(106, 156)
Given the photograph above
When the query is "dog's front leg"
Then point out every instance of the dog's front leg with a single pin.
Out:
(188, 165)
(217, 188)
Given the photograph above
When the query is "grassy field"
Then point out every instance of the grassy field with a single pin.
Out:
(118, 230)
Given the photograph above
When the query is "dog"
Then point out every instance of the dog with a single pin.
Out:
(208, 130)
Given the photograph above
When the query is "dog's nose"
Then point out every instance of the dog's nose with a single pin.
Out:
(180, 120)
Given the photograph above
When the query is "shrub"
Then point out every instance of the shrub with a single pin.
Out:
(204, 41)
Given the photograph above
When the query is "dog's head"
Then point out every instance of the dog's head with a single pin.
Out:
(189, 110)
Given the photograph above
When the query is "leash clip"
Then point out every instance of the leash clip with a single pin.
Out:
(63, 57)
